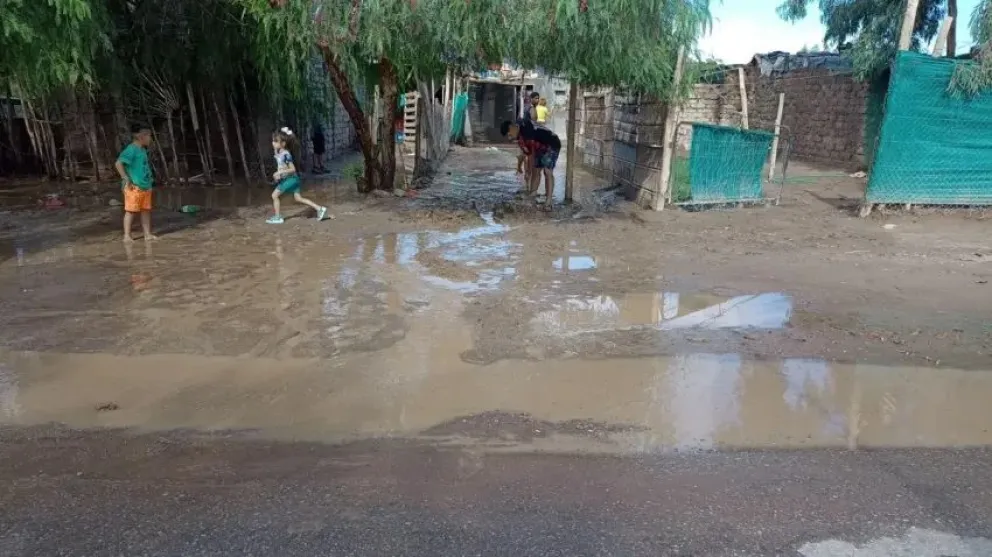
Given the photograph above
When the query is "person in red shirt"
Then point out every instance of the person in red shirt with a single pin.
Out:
(542, 147)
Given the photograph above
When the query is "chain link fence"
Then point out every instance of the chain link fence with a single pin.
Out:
(725, 164)
(934, 148)
(621, 136)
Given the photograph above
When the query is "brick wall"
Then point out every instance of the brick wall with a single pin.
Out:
(710, 104)
(824, 112)
(823, 116)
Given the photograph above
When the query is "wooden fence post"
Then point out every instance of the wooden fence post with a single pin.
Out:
(743, 84)
(778, 130)
(669, 135)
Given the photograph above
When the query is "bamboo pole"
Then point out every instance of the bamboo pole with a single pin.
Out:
(196, 128)
(237, 132)
(222, 124)
(253, 126)
(778, 129)
(173, 148)
(207, 140)
(91, 137)
(668, 145)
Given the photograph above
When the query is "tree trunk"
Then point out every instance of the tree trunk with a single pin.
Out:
(32, 131)
(122, 132)
(952, 31)
(204, 163)
(42, 146)
(373, 172)
(237, 131)
(182, 146)
(48, 136)
(90, 124)
(254, 129)
(104, 141)
(158, 148)
(222, 125)
(172, 147)
(387, 135)
(207, 141)
(69, 117)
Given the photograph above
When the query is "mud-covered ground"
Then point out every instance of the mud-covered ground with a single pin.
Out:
(603, 279)
(457, 372)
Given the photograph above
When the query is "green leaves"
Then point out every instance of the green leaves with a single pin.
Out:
(50, 44)
(868, 30)
(630, 42)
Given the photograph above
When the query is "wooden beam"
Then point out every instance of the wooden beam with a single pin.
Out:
(743, 84)
(778, 130)
(573, 101)
(940, 44)
(908, 23)
(668, 146)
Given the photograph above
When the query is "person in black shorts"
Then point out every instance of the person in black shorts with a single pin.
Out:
(318, 149)
(543, 145)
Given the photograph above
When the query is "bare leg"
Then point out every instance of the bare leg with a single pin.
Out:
(275, 202)
(300, 199)
(535, 181)
(549, 185)
(146, 225)
(128, 221)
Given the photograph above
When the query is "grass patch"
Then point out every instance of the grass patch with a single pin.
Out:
(681, 190)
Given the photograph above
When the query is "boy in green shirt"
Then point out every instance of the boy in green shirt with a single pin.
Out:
(136, 176)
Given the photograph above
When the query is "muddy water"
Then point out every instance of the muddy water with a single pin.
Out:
(233, 328)
(694, 401)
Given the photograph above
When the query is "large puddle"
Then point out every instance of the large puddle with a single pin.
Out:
(689, 402)
(366, 337)
(664, 311)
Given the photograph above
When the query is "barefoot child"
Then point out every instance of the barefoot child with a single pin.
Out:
(544, 147)
(136, 182)
(286, 178)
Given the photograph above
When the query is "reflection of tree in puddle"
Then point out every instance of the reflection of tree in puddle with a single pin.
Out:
(359, 309)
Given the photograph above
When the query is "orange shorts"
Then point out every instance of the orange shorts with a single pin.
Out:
(137, 200)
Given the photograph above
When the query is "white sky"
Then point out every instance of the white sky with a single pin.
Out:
(742, 28)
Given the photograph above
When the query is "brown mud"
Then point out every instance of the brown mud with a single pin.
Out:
(465, 312)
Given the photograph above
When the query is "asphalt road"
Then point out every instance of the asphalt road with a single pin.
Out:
(188, 494)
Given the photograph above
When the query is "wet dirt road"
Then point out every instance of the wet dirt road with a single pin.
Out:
(460, 374)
